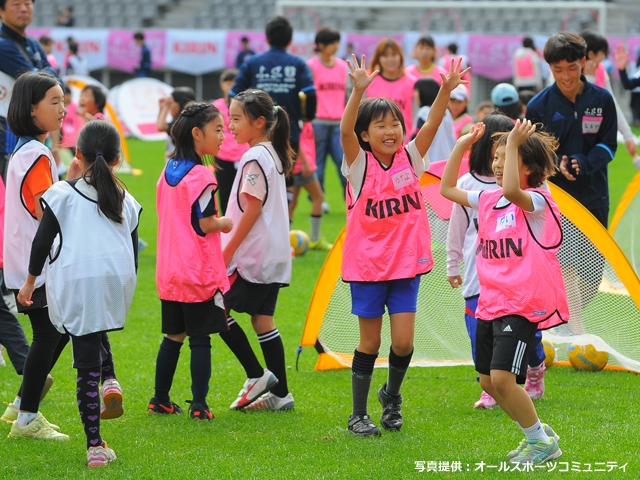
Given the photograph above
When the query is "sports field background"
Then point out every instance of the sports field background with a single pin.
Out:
(596, 415)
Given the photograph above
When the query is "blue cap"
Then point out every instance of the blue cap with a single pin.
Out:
(504, 94)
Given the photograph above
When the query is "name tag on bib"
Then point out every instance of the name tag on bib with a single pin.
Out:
(591, 124)
(401, 176)
(507, 221)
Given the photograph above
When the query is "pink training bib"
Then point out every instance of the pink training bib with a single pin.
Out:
(400, 91)
(388, 235)
(331, 87)
(433, 73)
(519, 274)
(308, 147)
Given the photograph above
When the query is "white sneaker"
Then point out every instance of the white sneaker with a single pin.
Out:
(39, 429)
(253, 388)
(269, 401)
(100, 456)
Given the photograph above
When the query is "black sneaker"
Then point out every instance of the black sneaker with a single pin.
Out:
(362, 426)
(197, 411)
(391, 419)
(163, 408)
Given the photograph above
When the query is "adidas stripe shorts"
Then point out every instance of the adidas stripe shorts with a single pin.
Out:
(504, 344)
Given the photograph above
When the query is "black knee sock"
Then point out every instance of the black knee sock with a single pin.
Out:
(273, 351)
(200, 368)
(89, 404)
(238, 343)
(108, 370)
(361, 373)
(166, 364)
(397, 370)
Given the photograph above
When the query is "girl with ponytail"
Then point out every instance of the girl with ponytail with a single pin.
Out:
(88, 234)
(257, 253)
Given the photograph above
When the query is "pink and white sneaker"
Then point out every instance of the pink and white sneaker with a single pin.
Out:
(534, 386)
(111, 400)
(486, 401)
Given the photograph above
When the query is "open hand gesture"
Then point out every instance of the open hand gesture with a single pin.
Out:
(522, 130)
(622, 57)
(358, 73)
(454, 77)
(475, 134)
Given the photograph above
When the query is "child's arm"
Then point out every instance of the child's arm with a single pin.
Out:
(216, 224)
(511, 175)
(161, 122)
(448, 184)
(425, 136)
(252, 212)
(361, 80)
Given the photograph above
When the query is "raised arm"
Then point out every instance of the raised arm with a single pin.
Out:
(361, 80)
(511, 188)
(425, 136)
(448, 184)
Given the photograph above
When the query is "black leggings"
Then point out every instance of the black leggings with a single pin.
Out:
(46, 347)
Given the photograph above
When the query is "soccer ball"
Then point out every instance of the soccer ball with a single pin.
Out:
(299, 241)
(586, 357)
(549, 352)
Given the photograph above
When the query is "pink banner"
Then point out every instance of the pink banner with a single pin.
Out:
(257, 43)
(491, 56)
(366, 44)
(124, 54)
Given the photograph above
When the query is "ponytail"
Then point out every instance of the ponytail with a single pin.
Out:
(256, 104)
(99, 143)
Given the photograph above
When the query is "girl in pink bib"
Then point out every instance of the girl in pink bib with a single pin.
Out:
(388, 243)
(190, 273)
(521, 285)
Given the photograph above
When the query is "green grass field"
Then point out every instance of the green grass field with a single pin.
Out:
(595, 414)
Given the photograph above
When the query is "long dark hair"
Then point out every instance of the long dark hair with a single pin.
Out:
(194, 115)
(480, 157)
(99, 143)
(256, 104)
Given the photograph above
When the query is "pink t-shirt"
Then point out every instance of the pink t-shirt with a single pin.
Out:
(331, 87)
(230, 150)
(400, 91)
(433, 73)
(71, 126)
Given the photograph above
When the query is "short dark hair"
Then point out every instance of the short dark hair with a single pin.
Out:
(139, 36)
(44, 39)
(279, 32)
(453, 48)
(427, 89)
(565, 46)
(371, 109)
(513, 111)
(244, 40)
(73, 47)
(99, 96)
(525, 96)
(183, 96)
(527, 42)
(327, 36)
(30, 88)
(228, 74)
(595, 42)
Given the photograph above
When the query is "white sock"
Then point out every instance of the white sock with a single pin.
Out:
(25, 418)
(536, 432)
(16, 403)
(518, 424)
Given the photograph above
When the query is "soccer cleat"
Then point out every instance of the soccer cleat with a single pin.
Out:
(39, 429)
(162, 408)
(111, 399)
(538, 451)
(391, 418)
(269, 401)
(362, 426)
(47, 386)
(253, 388)
(198, 411)
(486, 401)
(523, 444)
(534, 386)
(11, 415)
(100, 456)
(320, 244)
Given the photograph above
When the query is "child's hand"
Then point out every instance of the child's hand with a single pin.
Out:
(162, 102)
(454, 78)
(75, 169)
(226, 224)
(455, 282)
(521, 131)
(358, 73)
(475, 134)
(24, 295)
(622, 57)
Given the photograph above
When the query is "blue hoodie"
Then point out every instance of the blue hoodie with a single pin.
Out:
(587, 131)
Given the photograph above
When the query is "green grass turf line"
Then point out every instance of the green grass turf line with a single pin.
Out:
(589, 411)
